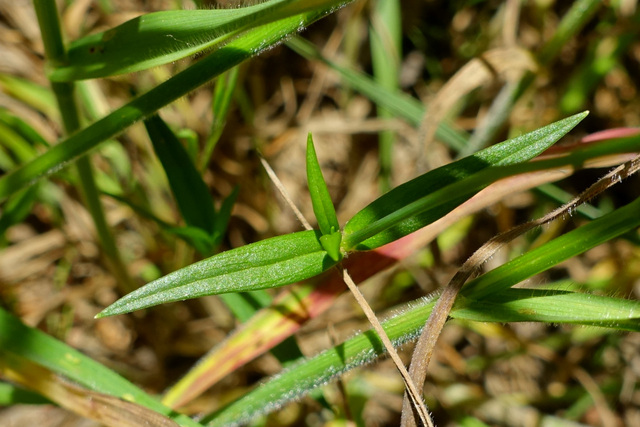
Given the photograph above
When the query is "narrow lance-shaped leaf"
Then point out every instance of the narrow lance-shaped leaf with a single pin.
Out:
(422, 200)
(266, 264)
(191, 192)
(322, 204)
(162, 37)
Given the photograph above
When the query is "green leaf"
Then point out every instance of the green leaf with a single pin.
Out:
(385, 34)
(552, 306)
(266, 264)
(405, 326)
(190, 191)
(159, 38)
(38, 347)
(320, 198)
(202, 241)
(322, 204)
(39, 97)
(21, 149)
(557, 250)
(249, 44)
(195, 236)
(425, 199)
(23, 128)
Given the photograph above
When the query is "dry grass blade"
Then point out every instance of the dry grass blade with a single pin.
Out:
(426, 344)
(417, 404)
(284, 193)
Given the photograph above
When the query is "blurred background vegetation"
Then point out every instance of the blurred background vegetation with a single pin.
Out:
(52, 273)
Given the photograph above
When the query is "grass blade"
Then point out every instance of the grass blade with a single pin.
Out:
(553, 306)
(397, 103)
(311, 373)
(385, 34)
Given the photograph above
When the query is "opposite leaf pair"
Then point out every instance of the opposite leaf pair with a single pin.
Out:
(286, 259)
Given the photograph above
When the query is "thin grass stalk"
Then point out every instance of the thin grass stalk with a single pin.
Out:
(48, 20)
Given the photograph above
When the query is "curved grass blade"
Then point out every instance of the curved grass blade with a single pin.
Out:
(191, 192)
(22, 128)
(233, 53)
(16, 209)
(21, 148)
(162, 37)
(39, 348)
(422, 200)
(266, 264)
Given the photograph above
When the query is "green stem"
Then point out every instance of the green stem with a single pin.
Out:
(55, 52)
